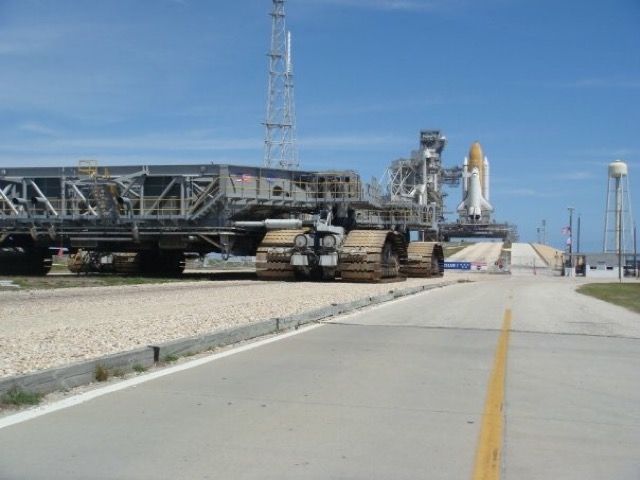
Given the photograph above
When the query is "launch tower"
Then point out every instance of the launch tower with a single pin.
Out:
(420, 178)
(280, 125)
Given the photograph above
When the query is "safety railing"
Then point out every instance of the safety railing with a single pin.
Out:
(250, 187)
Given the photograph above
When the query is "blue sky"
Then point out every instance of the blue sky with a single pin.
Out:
(551, 89)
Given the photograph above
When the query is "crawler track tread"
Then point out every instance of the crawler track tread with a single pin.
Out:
(424, 260)
(273, 257)
(127, 263)
(362, 258)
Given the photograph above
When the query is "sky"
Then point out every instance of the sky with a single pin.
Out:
(550, 89)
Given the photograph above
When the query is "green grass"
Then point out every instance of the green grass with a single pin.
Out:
(18, 397)
(139, 368)
(59, 268)
(71, 281)
(624, 294)
(102, 373)
(454, 248)
(171, 358)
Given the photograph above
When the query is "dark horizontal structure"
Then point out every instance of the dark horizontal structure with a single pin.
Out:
(504, 231)
(166, 210)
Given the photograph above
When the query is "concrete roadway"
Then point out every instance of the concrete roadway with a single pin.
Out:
(486, 252)
(393, 392)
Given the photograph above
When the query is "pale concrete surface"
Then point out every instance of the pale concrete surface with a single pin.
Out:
(483, 252)
(551, 255)
(524, 255)
(573, 408)
(396, 391)
(525, 260)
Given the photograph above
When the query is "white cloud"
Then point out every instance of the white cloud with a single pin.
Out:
(353, 140)
(599, 82)
(606, 153)
(152, 142)
(608, 83)
(400, 105)
(523, 192)
(577, 175)
(18, 41)
(397, 5)
(37, 128)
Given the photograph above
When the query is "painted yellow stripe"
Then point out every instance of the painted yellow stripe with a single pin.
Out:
(488, 453)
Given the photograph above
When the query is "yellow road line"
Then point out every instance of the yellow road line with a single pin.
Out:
(488, 453)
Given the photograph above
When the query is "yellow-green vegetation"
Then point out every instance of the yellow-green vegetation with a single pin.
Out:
(17, 397)
(59, 268)
(138, 368)
(70, 281)
(102, 373)
(624, 294)
(452, 248)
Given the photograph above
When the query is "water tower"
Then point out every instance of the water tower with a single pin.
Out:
(618, 221)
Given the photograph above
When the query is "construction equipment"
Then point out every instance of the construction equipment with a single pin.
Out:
(142, 220)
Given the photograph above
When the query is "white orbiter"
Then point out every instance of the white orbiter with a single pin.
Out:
(475, 204)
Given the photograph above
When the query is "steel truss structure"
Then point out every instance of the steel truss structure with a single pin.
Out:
(182, 207)
(505, 231)
(280, 125)
(420, 178)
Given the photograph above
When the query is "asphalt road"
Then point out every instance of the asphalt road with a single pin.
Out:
(394, 392)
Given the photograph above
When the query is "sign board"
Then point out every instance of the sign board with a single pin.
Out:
(479, 266)
(457, 265)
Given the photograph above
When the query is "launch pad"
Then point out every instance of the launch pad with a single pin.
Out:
(421, 178)
(475, 213)
(504, 231)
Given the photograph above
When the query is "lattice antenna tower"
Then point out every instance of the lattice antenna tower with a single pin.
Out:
(280, 125)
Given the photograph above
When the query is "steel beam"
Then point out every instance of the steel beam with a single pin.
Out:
(4, 197)
(44, 197)
(156, 204)
(82, 197)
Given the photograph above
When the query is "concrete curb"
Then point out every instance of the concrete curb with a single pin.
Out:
(83, 373)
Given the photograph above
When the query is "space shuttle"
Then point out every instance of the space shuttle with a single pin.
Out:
(475, 204)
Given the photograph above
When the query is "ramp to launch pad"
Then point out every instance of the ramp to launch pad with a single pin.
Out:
(482, 252)
(535, 259)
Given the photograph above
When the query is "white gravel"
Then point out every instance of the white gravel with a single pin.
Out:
(46, 328)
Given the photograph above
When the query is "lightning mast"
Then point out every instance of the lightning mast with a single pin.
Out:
(280, 125)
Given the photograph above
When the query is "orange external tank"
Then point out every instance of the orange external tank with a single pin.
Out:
(476, 160)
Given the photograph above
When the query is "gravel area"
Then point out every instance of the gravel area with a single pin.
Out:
(46, 328)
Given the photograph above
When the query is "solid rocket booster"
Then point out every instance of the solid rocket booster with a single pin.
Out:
(486, 179)
(475, 185)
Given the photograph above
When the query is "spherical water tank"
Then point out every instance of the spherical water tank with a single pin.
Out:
(618, 169)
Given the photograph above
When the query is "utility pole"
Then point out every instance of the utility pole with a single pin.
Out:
(571, 209)
(578, 243)
(635, 251)
(619, 222)
(280, 125)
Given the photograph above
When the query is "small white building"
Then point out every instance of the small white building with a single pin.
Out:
(600, 265)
